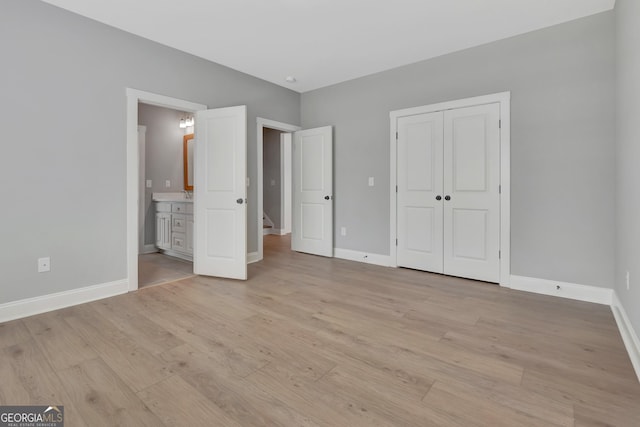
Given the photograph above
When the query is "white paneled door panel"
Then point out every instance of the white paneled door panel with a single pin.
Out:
(220, 193)
(448, 201)
(471, 189)
(420, 175)
(312, 222)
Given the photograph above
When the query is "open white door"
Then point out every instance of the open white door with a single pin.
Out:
(312, 225)
(220, 193)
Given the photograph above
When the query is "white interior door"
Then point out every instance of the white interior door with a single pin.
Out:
(471, 192)
(312, 222)
(220, 193)
(420, 198)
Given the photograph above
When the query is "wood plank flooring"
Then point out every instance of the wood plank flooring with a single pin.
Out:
(157, 269)
(309, 341)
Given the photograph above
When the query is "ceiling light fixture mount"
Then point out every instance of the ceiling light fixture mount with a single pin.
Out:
(290, 79)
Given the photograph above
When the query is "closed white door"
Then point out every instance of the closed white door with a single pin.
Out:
(312, 222)
(448, 202)
(420, 183)
(220, 192)
(472, 192)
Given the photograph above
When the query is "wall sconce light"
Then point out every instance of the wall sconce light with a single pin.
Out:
(190, 121)
(183, 123)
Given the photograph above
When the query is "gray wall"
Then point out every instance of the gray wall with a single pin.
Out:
(272, 195)
(163, 156)
(63, 115)
(628, 156)
(562, 162)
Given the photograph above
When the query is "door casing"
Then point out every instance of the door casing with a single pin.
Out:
(261, 125)
(134, 97)
(504, 99)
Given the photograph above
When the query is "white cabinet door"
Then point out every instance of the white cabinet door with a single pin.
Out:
(420, 175)
(190, 234)
(312, 222)
(471, 189)
(220, 193)
(163, 230)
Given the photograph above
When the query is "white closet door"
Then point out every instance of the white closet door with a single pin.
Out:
(420, 175)
(471, 190)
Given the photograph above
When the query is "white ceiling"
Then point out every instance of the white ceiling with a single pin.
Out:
(322, 42)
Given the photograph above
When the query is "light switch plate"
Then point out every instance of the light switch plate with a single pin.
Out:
(370, 181)
(167, 183)
(343, 231)
(149, 183)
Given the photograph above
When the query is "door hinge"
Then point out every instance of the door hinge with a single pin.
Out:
(396, 136)
(500, 123)
(396, 242)
(499, 254)
(499, 189)
(396, 188)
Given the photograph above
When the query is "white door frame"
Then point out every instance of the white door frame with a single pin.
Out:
(261, 124)
(134, 97)
(504, 99)
(286, 189)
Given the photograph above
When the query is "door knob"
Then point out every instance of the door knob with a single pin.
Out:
(447, 197)
(239, 201)
(438, 197)
(327, 197)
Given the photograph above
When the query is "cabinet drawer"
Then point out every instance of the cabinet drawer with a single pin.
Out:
(179, 242)
(178, 223)
(163, 207)
(179, 207)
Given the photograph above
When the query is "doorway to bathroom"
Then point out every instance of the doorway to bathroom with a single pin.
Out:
(165, 254)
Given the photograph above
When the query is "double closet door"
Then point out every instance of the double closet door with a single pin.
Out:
(448, 202)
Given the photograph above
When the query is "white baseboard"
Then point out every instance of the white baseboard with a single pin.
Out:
(383, 260)
(274, 231)
(42, 304)
(252, 257)
(562, 289)
(149, 249)
(629, 336)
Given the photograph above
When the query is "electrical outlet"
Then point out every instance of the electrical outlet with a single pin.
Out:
(273, 182)
(371, 182)
(627, 280)
(149, 183)
(44, 264)
(167, 183)
(343, 231)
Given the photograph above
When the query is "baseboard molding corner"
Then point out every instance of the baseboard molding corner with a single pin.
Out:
(149, 249)
(274, 231)
(629, 336)
(555, 288)
(376, 259)
(253, 257)
(42, 304)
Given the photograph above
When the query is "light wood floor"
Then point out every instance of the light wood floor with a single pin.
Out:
(157, 268)
(309, 341)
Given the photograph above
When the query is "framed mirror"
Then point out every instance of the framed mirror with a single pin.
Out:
(187, 154)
